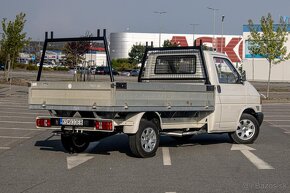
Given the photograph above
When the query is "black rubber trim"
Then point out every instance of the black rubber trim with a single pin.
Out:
(260, 117)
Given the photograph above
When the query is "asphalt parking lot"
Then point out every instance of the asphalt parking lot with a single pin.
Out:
(34, 161)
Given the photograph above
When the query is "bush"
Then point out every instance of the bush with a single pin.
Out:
(122, 64)
(60, 68)
(20, 66)
(31, 67)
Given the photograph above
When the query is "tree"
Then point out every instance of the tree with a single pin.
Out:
(168, 43)
(74, 52)
(270, 42)
(136, 54)
(13, 38)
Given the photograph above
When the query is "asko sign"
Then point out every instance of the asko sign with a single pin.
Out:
(232, 48)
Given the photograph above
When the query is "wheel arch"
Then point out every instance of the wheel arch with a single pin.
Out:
(250, 111)
(133, 120)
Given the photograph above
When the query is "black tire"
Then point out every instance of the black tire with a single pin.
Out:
(146, 141)
(247, 131)
(182, 138)
(74, 143)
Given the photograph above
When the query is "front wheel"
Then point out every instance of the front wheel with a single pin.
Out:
(74, 143)
(146, 141)
(247, 131)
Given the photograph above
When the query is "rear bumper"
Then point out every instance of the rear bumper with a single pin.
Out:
(260, 117)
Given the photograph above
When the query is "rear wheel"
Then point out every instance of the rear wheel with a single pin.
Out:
(146, 141)
(247, 131)
(74, 142)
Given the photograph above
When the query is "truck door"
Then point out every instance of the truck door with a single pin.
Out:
(231, 92)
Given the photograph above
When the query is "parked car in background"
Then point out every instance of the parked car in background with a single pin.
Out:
(92, 69)
(125, 73)
(104, 70)
(2, 67)
(134, 72)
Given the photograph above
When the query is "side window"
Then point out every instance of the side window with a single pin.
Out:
(225, 70)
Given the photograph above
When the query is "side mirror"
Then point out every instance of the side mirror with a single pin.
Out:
(244, 78)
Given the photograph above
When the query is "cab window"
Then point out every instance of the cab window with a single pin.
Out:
(226, 72)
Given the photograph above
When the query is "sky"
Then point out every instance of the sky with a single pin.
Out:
(69, 18)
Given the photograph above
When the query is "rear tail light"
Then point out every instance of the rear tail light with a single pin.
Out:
(43, 123)
(104, 125)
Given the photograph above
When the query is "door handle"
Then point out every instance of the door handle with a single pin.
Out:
(218, 87)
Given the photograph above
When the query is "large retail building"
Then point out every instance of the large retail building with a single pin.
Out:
(234, 46)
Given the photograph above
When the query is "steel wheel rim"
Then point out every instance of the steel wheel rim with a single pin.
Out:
(78, 141)
(246, 129)
(148, 139)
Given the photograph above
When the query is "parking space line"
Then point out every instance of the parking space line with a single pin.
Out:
(273, 111)
(268, 116)
(14, 137)
(11, 102)
(21, 108)
(17, 106)
(260, 164)
(4, 148)
(20, 129)
(23, 113)
(276, 120)
(22, 117)
(166, 156)
(246, 150)
(280, 125)
(17, 122)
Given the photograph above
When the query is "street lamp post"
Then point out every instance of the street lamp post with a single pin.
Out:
(223, 18)
(214, 10)
(193, 31)
(160, 13)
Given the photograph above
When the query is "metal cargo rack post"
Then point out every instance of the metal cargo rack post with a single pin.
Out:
(76, 39)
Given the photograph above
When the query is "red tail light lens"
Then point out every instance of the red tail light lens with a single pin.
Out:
(104, 125)
(43, 123)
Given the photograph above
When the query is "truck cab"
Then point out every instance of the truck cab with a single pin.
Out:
(233, 94)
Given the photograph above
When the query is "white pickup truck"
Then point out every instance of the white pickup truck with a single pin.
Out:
(180, 92)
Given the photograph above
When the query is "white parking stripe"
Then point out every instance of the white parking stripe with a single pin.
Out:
(5, 148)
(12, 103)
(22, 122)
(278, 111)
(268, 116)
(17, 106)
(23, 113)
(276, 120)
(280, 125)
(21, 117)
(20, 129)
(260, 164)
(166, 156)
(13, 137)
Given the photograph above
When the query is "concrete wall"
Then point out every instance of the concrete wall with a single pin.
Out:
(259, 71)
(257, 68)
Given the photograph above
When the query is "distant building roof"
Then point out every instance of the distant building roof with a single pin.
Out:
(100, 49)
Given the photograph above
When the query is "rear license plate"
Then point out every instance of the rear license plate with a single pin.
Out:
(73, 122)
